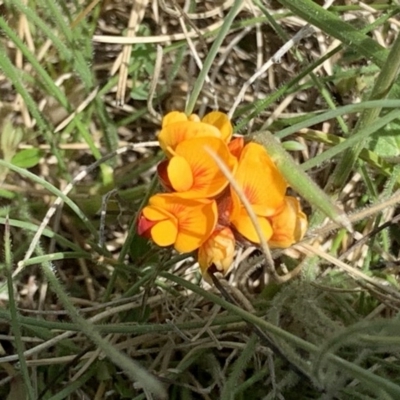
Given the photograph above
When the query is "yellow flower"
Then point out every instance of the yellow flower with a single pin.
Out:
(172, 220)
(192, 172)
(177, 127)
(264, 187)
(217, 251)
(289, 225)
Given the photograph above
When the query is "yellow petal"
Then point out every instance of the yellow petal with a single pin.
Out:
(155, 214)
(218, 251)
(164, 233)
(180, 174)
(196, 223)
(195, 220)
(174, 116)
(174, 133)
(220, 121)
(289, 225)
(194, 117)
(245, 227)
(208, 180)
(260, 180)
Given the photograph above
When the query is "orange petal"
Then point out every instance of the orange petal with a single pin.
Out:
(180, 174)
(289, 225)
(174, 116)
(236, 146)
(260, 180)
(220, 121)
(218, 250)
(245, 227)
(196, 223)
(164, 233)
(155, 214)
(174, 133)
(195, 220)
(163, 175)
(208, 180)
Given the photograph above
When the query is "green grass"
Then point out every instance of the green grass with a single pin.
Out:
(89, 308)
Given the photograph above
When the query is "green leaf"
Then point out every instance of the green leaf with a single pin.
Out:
(27, 158)
(140, 91)
(386, 141)
(7, 194)
(140, 246)
(10, 138)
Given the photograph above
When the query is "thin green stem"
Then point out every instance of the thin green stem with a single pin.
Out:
(15, 324)
(238, 367)
(366, 376)
(208, 62)
(55, 191)
(43, 75)
(333, 26)
(128, 242)
(351, 141)
(381, 88)
(352, 108)
(130, 367)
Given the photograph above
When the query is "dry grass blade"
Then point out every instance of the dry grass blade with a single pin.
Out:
(135, 19)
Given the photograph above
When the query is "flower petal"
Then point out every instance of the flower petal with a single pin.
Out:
(220, 121)
(144, 226)
(174, 133)
(194, 117)
(196, 223)
(245, 227)
(218, 250)
(155, 214)
(164, 233)
(260, 180)
(208, 179)
(289, 225)
(163, 175)
(174, 116)
(180, 174)
(194, 220)
(236, 146)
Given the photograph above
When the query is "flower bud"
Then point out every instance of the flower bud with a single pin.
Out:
(217, 251)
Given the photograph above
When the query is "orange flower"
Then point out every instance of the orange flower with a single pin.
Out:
(218, 250)
(172, 220)
(177, 127)
(264, 187)
(289, 225)
(193, 172)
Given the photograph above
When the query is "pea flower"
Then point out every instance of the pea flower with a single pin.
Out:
(218, 251)
(192, 172)
(200, 212)
(289, 225)
(177, 127)
(264, 187)
(186, 224)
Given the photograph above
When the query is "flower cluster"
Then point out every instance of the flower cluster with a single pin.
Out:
(199, 210)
